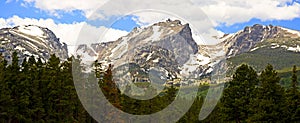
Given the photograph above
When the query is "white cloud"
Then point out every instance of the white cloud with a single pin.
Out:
(235, 11)
(67, 33)
(220, 11)
(53, 6)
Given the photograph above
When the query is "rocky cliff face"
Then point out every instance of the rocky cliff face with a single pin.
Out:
(169, 45)
(31, 40)
(245, 40)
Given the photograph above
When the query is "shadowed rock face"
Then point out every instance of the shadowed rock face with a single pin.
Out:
(246, 39)
(31, 40)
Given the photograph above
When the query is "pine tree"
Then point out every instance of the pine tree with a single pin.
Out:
(236, 97)
(36, 100)
(54, 87)
(111, 92)
(269, 103)
(5, 93)
(13, 81)
(110, 89)
(293, 98)
(24, 87)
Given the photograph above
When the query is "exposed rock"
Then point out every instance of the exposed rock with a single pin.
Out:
(31, 40)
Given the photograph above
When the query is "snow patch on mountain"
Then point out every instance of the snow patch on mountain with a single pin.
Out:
(31, 30)
(291, 31)
(294, 49)
(120, 50)
(156, 34)
(193, 63)
(253, 49)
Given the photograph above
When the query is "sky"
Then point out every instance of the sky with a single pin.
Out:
(72, 19)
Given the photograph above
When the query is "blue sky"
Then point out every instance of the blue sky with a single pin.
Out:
(26, 10)
(291, 24)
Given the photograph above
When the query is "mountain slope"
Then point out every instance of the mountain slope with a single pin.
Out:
(169, 45)
(31, 40)
(260, 45)
(165, 47)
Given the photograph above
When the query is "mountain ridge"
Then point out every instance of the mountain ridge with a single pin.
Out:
(169, 45)
(30, 40)
(200, 60)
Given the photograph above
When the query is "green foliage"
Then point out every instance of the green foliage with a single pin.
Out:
(293, 98)
(260, 58)
(269, 102)
(237, 96)
(39, 92)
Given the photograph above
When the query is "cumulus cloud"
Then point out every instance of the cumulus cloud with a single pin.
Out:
(68, 33)
(235, 11)
(220, 11)
(202, 14)
(55, 6)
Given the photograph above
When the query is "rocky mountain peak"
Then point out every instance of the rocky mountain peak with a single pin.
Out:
(170, 45)
(30, 40)
(170, 32)
(246, 39)
(167, 44)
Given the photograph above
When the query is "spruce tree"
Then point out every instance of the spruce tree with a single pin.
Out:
(34, 76)
(293, 99)
(5, 93)
(13, 81)
(269, 102)
(54, 87)
(236, 98)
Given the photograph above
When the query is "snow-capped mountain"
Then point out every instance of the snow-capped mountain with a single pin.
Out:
(261, 45)
(246, 40)
(170, 45)
(30, 40)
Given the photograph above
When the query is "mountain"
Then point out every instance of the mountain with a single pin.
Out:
(169, 47)
(247, 39)
(165, 47)
(259, 45)
(31, 40)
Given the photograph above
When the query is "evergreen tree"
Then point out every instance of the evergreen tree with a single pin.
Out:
(54, 87)
(34, 74)
(293, 99)
(111, 92)
(236, 97)
(269, 103)
(13, 81)
(5, 93)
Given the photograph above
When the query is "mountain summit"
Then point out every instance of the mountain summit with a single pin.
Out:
(245, 40)
(167, 45)
(170, 45)
(30, 40)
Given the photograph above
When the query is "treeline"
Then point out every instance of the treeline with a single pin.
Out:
(250, 97)
(37, 91)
